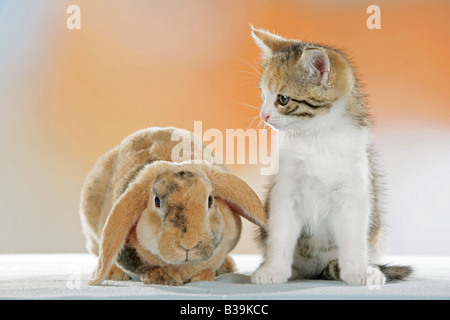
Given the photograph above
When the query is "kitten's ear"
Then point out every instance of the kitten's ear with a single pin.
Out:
(268, 42)
(317, 63)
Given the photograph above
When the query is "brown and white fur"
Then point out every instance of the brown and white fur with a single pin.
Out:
(324, 217)
(164, 222)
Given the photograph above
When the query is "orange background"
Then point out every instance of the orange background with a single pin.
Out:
(70, 95)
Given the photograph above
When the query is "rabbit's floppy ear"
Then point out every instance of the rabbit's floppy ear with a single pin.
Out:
(122, 217)
(237, 194)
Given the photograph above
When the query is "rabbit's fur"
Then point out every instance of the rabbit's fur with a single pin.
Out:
(182, 236)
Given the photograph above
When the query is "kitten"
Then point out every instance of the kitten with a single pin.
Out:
(323, 204)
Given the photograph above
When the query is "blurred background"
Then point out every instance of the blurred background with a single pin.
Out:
(68, 96)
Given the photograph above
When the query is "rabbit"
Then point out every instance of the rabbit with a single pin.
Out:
(159, 221)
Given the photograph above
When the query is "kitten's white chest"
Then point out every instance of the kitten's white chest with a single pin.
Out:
(313, 168)
(327, 158)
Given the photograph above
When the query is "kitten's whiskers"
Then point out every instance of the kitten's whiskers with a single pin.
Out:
(247, 63)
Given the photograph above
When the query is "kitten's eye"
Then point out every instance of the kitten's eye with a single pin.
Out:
(157, 202)
(283, 100)
(210, 201)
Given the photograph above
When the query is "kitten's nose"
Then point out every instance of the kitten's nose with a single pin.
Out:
(265, 117)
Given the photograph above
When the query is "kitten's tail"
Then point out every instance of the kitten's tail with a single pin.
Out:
(332, 272)
(396, 272)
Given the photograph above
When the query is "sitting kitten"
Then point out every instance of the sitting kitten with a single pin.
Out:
(323, 204)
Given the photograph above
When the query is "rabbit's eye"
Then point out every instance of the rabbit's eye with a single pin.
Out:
(157, 202)
(210, 201)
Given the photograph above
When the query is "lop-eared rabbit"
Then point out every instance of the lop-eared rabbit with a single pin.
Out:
(146, 216)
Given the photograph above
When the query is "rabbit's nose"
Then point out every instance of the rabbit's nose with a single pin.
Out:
(188, 247)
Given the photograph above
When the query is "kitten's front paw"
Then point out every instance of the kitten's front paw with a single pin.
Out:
(270, 275)
(371, 276)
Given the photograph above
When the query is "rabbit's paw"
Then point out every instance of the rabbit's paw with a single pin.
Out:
(158, 275)
(204, 275)
(228, 266)
(117, 274)
(270, 275)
